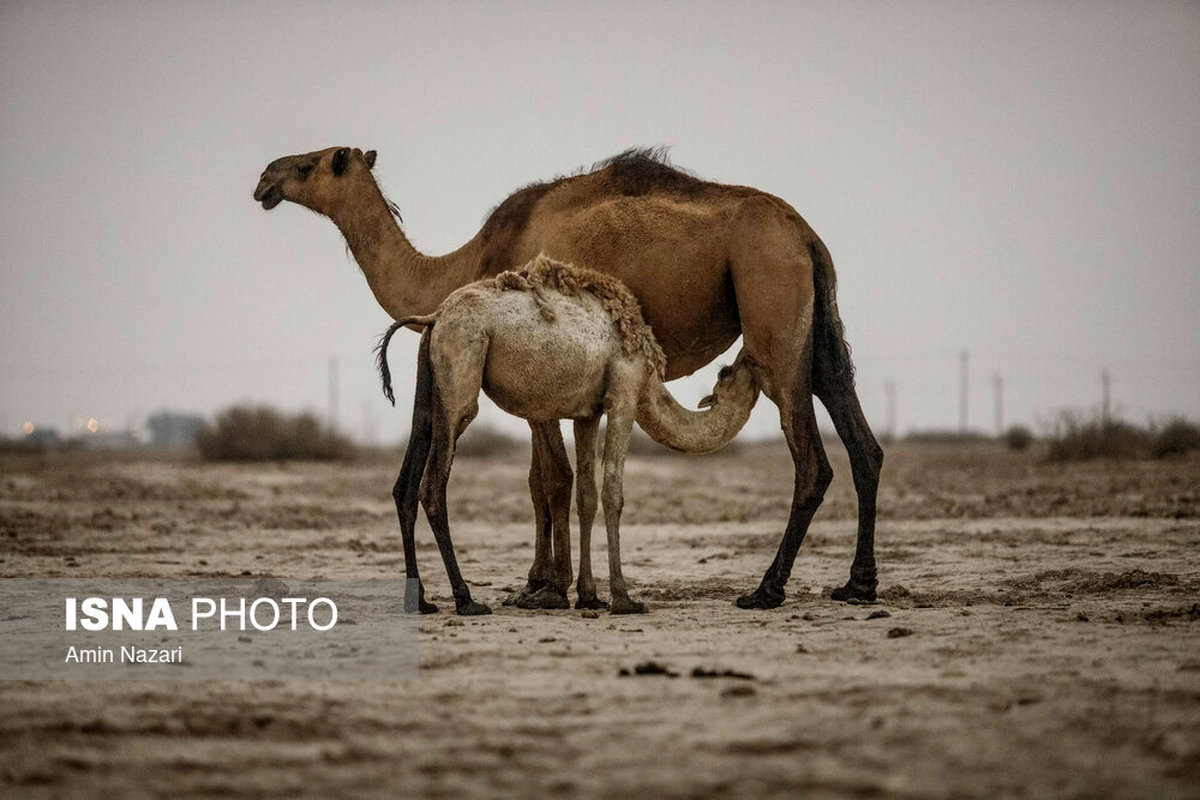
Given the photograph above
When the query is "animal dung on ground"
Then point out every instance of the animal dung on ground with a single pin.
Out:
(649, 668)
(899, 633)
(880, 614)
(700, 672)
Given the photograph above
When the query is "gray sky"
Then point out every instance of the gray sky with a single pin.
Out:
(1021, 180)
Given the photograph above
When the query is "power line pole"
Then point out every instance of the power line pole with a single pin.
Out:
(963, 388)
(1106, 396)
(998, 388)
(333, 393)
(890, 389)
(368, 432)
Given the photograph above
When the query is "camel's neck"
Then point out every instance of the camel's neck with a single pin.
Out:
(404, 281)
(674, 426)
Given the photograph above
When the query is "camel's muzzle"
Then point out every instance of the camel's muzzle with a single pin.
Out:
(269, 194)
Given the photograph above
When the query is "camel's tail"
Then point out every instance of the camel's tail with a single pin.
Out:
(385, 374)
(831, 354)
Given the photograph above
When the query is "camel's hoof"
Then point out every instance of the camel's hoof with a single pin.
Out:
(592, 602)
(545, 598)
(521, 599)
(623, 605)
(854, 591)
(762, 597)
(427, 608)
(473, 609)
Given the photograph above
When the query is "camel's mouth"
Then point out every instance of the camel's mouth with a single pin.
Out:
(270, 196)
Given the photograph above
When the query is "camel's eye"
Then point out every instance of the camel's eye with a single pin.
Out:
(341, 160)
(724, 373)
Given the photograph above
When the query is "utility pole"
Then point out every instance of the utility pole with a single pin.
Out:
(890, 389)
(333, 393)
(998, 388)
(1106, 396)
(963, 388)
(368, 432)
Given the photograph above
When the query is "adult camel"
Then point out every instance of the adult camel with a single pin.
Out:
(708, 262)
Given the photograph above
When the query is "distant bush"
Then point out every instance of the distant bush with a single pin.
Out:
(244, 433)
(173, 430)
(1175, 438)
(946, 437)
(1018, 438)
(1076, 437)
(481, 441)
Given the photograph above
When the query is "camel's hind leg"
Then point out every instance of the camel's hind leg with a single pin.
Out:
(586, 431)
(550, 489)
(772, 272)
(456, 386)
(866, 461)
(408, 483)
(812, 477)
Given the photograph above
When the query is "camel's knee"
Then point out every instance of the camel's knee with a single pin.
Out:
(874, 453)
(612, 494)
(823, 477)
(557, 482)
(432, 500)
(587, 497)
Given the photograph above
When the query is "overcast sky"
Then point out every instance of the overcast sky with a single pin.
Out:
(1018, 180)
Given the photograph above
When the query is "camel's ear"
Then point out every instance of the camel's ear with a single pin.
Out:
(341, 159)
(370, 157)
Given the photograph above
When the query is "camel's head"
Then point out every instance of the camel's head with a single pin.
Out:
(737, 385)
(317, 180)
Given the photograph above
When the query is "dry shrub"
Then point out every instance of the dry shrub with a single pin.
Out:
(245, 433)
(1076, 437)
(1018, 438)
(947, 437)
(1177, 437)
(484, 441)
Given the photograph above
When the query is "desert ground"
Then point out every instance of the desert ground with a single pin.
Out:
(1037, 635)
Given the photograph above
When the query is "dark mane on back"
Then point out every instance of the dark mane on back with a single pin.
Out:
(641, 170)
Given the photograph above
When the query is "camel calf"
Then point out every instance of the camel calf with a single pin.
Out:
(549, 342)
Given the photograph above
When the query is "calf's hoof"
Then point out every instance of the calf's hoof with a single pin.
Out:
(623, 605)
(473, 609)
(428, 608)
(592, 602)
(762, 597)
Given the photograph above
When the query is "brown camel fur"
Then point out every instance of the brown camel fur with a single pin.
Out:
(706, 261)
(547, 343)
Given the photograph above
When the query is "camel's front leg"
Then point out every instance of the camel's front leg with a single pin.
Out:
(586, 431)
(616, 444)
(550, 481)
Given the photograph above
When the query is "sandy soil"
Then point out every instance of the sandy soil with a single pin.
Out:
(1038, 635)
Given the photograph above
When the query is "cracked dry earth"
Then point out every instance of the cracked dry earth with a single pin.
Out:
(1037, 635)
